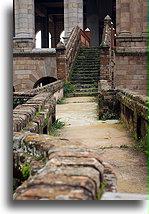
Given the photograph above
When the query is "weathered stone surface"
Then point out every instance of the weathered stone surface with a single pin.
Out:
(70, 172)
(123, 196)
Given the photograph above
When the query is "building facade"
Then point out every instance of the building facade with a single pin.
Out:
(129, 19)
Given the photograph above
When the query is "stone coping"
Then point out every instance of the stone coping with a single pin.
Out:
(37, 52)
(52, 87)
(70, 170)
(143, 99)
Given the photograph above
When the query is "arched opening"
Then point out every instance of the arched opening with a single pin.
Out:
(44, 81)
(49, 17)
(39, 40)
(94, 14)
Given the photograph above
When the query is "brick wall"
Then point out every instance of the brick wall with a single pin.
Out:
(131, 72)
(29, 68)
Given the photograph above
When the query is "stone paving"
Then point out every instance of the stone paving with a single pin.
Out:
(110, 138)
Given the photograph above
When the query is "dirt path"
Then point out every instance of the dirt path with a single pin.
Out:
(108, 137)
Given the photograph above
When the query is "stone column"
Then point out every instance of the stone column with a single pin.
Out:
(24, 39)
(136, 17)
(145, 18)
(44, 32)
(124, 16)
(118, 15)
(73, 15)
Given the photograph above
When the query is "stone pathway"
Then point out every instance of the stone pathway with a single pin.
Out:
(107, 137)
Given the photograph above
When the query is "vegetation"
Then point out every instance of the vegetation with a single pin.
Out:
(25, 170)
(55, 126)
(102, 188)
(124, 146)
(109, 115)
(61, 101)
(141, 146)
(68, 88)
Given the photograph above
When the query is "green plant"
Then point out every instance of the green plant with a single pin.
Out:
(141, 146)
(102, 188)
(124, 146)
(25, 170)
(106, 147)
(120, 122)
(68, 88)
(60, 101)
(108, 115)
(56, 125)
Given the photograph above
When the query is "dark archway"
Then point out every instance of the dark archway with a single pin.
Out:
(49, 18)
(94, 14)
(44, 81)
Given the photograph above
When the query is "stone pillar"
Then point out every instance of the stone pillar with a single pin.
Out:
(73, 15)
(93, 22)
(118, 15)
(61, 62)
(145, 18)
(124, 17)
(136, 17)
(44, 32)
(24, 39)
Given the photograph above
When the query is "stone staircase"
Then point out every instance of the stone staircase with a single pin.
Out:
(85, 73)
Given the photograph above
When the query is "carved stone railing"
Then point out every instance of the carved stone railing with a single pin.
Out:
(107, 56)
(66, 53)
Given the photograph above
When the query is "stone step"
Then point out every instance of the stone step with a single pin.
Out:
(80, 76)
(83, 77)
(88, 57)
(88, 67)
(83, 94)
(87, 63)
(85, 85)
(87, 90)
(86, 72)
(84, 82)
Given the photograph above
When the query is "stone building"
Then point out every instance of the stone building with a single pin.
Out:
(32, 65)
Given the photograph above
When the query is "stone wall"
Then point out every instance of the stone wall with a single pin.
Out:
(60, 169)
(29, 67)
(35, 115)
(73, 15)
(131, 45)
(131, 72)
(130, 107)
(134, 113)
(38, 109)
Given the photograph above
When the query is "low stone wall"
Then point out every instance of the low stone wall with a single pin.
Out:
(55, 88)
(60, 169)
(134, 113)
(35, 115)
(108, 106)
(130, 107)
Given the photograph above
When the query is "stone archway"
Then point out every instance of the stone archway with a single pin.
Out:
(94, 14)
(44, 81)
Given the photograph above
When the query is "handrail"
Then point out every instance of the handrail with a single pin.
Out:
(66, 53)
(108, 33)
